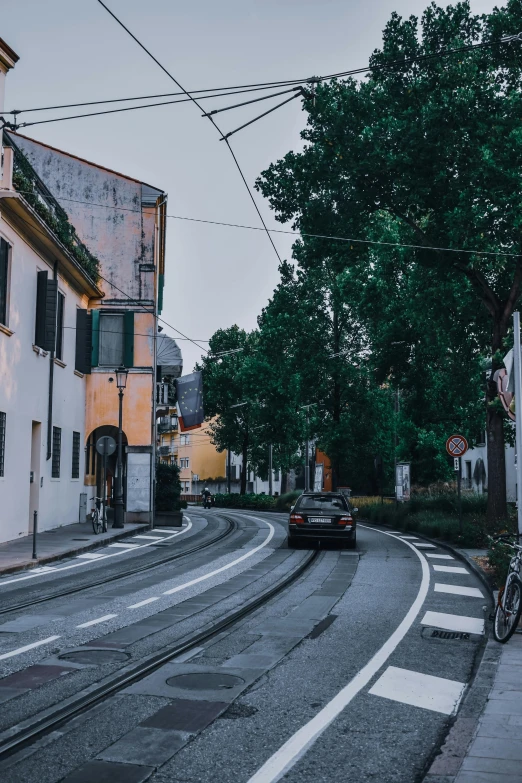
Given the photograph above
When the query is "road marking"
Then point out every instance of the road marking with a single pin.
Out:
(143, 603)
(472, 592)
(420, 690)
(122, 546)
(230, 565)
(98, 620)
(27, 647)
(294, 748)
(451, 569)
(161, 530)
(439, 557)
(151, 538)
(424, 546)
(413, 538)
(453, 622)
(85, 558)
(44, 569)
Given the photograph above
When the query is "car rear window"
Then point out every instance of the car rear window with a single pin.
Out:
(322, 503)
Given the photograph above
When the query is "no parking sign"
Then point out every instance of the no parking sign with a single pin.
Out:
(456, 445)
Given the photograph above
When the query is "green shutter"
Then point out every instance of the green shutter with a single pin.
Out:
(129, 339)
(95, 338)
(161, 285)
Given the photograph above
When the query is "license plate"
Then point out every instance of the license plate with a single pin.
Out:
(319, 520)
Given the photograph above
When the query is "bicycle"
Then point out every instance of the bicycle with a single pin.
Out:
(99, 521)
(509, 603)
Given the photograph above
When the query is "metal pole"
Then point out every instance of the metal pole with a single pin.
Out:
(459, 483)
(118, 495)
(518, 413)
(229, 471)
(104, 481)
(307, 458)
(396, 407)
(270, 475)
(35, 530)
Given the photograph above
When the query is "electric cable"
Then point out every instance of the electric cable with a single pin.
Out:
(211, 119)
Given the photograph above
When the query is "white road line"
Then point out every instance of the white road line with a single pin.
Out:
(93, 556)
(453, 622)
(439, 557)
(151, 538)
(143, 603)
(122, 546)
(98, 620)
(451, 569)
(229, 565)
(27, 647)
(420, 690)
(161, 530)
(294, 748)
(424, 546)
(472, 592)
(413, 538)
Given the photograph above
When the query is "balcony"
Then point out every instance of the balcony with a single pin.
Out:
(167, 424)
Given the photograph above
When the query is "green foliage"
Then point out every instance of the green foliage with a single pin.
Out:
(168, 488)
(251, 501)
(286, 501)
(499, 556)
(25, 181)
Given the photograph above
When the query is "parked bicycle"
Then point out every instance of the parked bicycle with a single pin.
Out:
(509, 603)
(99, 516)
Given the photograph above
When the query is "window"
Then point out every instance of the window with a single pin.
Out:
(184, 440)
(4, 276)
(75, 472)
(59, 325)
(185, 486)
(57, 447)
(112, 339)
(184, 462)
(2, 442)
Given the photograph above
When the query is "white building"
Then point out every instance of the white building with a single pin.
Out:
(475, 470)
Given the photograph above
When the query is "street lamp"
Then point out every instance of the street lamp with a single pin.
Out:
(121, 383)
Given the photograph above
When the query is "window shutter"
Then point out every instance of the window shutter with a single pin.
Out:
(129, 339)
(4, 259)
(41, 292)
(95, 338)
(83, 341)
(51, 304)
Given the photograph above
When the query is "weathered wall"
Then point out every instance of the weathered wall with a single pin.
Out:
(103, 407)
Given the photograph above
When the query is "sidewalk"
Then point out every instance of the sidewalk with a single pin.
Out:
(51, 545)
(484, 744)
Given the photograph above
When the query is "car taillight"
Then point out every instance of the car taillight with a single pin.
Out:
(346, 521)
(296, 519)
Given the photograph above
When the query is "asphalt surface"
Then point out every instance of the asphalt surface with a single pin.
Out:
(229, 707)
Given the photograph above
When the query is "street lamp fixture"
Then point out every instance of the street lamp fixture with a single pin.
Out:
(121, 383)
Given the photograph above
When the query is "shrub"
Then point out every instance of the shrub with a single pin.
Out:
(168, 488)
(250, 501)
(286, 501)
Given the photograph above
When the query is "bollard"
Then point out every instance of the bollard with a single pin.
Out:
(35, 528)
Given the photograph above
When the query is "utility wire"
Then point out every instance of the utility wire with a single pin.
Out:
(284, 82)
(331, 237)
(142, 46)
(246, 124)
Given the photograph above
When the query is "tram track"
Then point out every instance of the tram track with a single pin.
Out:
(32, 729)
(231, 527)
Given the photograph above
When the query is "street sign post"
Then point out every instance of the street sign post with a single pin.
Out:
(456, 446)
(105, 446)
(518, 419)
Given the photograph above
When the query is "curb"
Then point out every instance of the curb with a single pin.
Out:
(97, 544)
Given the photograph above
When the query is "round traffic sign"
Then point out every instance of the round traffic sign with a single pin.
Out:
(106, 445)
(456, 445)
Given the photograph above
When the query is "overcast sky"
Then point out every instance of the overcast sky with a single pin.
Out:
(72, 51)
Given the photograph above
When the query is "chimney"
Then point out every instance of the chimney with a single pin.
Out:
(8, 60)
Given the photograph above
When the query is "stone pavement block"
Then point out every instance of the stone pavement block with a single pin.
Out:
(496, 766)
(487, 777)
(10, 693)
(500, 727)
(503, 707)
(487, 747)
(144, 746)
(186, 715)
(108, 772)
(505, 691)
(33, 676)
(509, 673)
(315, 607)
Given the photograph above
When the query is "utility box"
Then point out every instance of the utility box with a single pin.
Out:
(83, 507)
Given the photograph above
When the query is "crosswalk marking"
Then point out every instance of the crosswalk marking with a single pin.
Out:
(471, 592)
(88, 556)
(413, 538)
(419, 690)
(439, 557)
(453, 622)
(122, 546)
(424, 546)
(450, 569)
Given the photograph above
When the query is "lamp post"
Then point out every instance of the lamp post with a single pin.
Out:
(121, 383)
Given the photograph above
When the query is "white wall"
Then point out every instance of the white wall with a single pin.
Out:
(480, 452)
(24, 383)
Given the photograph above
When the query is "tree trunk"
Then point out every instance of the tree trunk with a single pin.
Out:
(244, 458)
(496, 477)
(284, 481)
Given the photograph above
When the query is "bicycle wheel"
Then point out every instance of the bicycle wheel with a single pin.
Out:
(96, 524)
(508, 610)
(104, 523)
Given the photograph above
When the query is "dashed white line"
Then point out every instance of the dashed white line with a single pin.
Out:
(413, 538)
(98, 620)
(471, 592)
(27, 647)
(86, 556)
(451, 569)
(439, 557)
(143, 603)
(419, 690)
(150, 538)
(453, 622)
(424, 546)
(123, 546)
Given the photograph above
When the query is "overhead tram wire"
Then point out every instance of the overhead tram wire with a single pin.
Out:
(211, 119)
(281, 83)
(330, 237)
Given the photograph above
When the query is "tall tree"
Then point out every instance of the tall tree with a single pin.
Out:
(434, 145)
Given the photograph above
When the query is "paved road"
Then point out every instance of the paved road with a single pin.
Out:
(351, 673)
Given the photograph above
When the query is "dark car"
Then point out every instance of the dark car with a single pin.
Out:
(322, 516)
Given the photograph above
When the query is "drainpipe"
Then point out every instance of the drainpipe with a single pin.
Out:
(51, 384)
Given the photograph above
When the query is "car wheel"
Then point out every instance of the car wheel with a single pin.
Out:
(292, 542)
(352, 543)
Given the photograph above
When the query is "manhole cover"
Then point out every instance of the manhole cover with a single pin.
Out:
(205, 681)
(97, 657)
